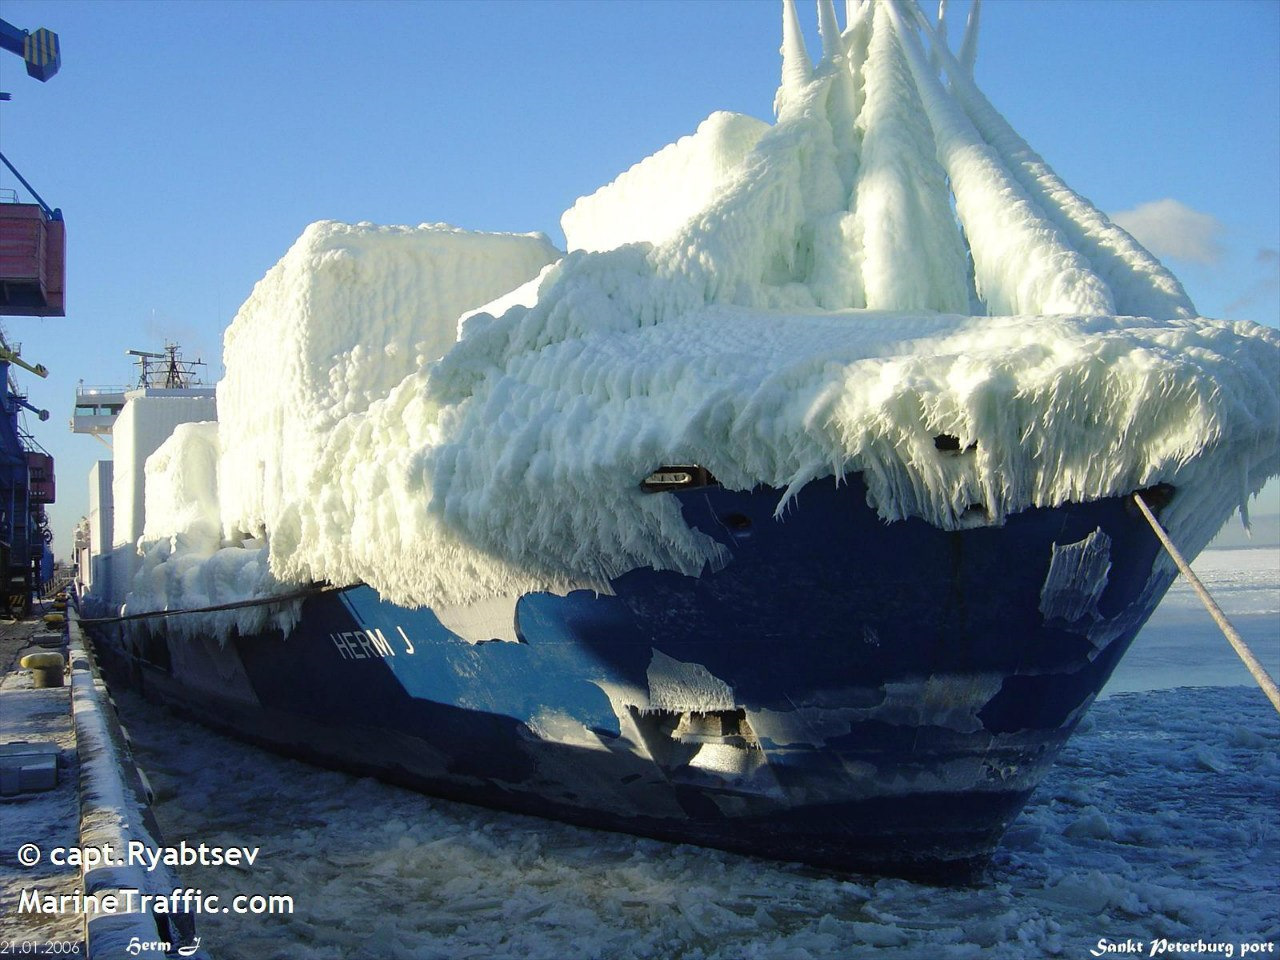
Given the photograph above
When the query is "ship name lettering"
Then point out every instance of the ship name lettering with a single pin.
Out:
(362, 645)
(380, 643)
(408, 644)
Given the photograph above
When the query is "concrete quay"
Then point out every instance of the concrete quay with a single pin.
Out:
(69, 789)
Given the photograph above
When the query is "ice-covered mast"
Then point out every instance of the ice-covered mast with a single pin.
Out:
(969, 45)
(1140, 284)
(889, 152)
(797, 68)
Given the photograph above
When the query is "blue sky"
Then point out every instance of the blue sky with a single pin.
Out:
(189, 143)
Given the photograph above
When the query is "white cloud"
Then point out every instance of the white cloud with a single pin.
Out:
(1171, 229)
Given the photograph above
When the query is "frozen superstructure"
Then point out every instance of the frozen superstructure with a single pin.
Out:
(139, 420)
(887, 263)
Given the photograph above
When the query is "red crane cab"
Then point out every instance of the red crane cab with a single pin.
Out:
(40, 477)
(33, 252)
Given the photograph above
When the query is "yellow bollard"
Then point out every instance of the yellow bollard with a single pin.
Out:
(46, 668)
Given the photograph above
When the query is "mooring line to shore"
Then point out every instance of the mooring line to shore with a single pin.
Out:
(214, 608)
(1258, 671)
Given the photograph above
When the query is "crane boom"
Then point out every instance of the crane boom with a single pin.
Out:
(40, 50)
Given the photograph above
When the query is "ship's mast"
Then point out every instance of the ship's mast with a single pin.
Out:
(167, 370)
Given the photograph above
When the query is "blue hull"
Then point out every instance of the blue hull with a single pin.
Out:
(844, 692)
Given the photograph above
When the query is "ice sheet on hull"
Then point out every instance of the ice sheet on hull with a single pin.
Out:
(685, 687)
(743, 342)
(1076, 579)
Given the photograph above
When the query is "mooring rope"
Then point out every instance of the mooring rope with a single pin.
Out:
(1233, 636)
(236, 605)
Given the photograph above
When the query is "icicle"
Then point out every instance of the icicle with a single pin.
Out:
(939, 38)
(969, 46)
(843, 97)
(797, 68)
(1244, 502)
(829, 28)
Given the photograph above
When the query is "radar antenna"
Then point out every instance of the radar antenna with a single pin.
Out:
(166, 370)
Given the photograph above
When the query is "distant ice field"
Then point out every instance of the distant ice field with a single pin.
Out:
(1160, 822)
(1182, 646)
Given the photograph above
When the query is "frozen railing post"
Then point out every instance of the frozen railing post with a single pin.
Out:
(1233, 636)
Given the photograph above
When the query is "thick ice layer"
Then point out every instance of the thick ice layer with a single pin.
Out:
(186, 563)
(182, 484)
(504, 472)
(1140, 284)
(346, 314)
(765, 398)
(742, 342)
(142, 427)
(658, 195)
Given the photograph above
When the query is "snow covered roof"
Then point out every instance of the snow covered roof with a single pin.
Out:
(887, 262)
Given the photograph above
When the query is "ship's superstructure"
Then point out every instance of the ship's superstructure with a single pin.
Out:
(135, 419)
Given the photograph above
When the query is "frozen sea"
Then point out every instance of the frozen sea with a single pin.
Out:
(1159, 826)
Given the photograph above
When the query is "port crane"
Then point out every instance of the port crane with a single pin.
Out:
(40, 50)
(32, 284)
(33, 236)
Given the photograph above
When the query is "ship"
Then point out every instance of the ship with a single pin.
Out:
(744, 523)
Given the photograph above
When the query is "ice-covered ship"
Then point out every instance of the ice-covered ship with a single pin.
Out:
(790, 511)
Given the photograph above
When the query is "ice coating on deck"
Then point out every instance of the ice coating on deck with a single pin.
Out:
(658, 195)
(824, 313)
(186, 562)
(344, 316)
(182, 485)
